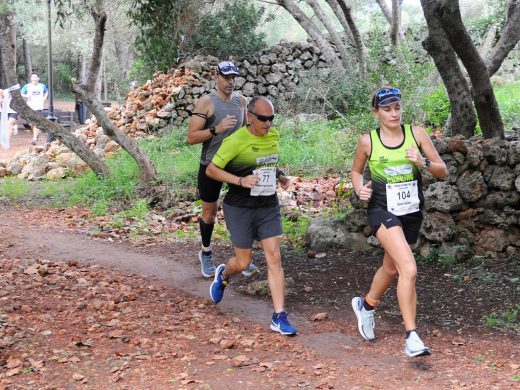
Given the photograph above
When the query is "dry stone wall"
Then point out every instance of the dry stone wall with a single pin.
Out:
(475, 211)
(167, 100)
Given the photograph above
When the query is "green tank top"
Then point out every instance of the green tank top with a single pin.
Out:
(389, 165)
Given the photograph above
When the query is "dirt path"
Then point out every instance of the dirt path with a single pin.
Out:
(76, 312)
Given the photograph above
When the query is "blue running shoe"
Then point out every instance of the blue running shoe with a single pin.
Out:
(250, 271)
(280, 324)
(216, 290)
(207, 264)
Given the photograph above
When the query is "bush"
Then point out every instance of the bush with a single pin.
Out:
(230, 31)
(436, 106)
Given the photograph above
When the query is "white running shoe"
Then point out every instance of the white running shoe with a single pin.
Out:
(365, 319)
(414, 346)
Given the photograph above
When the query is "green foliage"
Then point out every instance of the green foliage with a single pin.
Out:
(340, 92)
(505, 318)
(310, 149)
(63, 77)
(230, 31)
(436, 107)
(508, 98)
(13, 188)
(516, 378)
(295, 230)
(163, 26)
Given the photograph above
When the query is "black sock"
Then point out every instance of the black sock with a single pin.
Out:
(408, 332)
(206, 230)
(367, 305)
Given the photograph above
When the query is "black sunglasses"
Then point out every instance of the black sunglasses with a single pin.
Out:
(263, 118)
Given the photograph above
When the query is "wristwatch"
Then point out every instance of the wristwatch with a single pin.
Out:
(426, 164)
(213, 130)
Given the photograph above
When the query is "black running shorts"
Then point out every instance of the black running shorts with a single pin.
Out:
(208, 189)
(410, 223)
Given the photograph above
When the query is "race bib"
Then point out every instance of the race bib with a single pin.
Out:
(402, 198)
(266, 183)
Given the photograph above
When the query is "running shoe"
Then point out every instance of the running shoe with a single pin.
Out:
(216, 290)
(280, 324)
(365, 319)
(414, 346)
(250, 270)
(207, 264)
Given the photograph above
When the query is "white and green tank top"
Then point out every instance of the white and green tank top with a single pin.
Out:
(396, 181)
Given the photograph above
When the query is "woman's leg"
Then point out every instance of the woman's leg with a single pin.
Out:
(398, 256)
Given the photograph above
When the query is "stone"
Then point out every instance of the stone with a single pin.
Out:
(500, 199)
(442, 197)
(491, 239)
(355, 219)
(37, 167)
(239, 82)
(471, 186)
(57, 173)
(496, 151)
(438, 227)
(474, 156)
(274, 78)
(324, 234)
(502, 177)
(249, 89)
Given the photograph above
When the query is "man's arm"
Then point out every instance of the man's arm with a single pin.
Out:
(23, 91)
(243, 103)
(197, 131)
(45, 92)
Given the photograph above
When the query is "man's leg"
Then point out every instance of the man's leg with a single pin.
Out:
(36, 134)
(232, 267)
(276, 280)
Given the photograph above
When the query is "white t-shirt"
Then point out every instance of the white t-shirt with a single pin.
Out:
(35, 94)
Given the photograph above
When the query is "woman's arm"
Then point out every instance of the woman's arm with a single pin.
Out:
(362, 151)
(437, 167)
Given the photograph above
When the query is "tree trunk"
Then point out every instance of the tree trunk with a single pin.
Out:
(19, 105)
(333, 4)
(462, 119)
(387, 12)
(340, 46)
(508, 40)
(395, 26)
(488, 41)
(27, 60)
(314, 33)
(148, 174)
(448, 14)
(361, 50)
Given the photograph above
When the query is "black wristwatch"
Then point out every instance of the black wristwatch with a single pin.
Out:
(426, 164)
(213, 130)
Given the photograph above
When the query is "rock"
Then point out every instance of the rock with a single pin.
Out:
(502, 178)
(324, 234)
(471, 186)
(56, 173)
(36, 168)
(491, 239)
(438, 227)
(442, 197)
(320, 316)
(355, 220)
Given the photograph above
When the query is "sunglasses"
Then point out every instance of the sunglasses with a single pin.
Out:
(227, 68)
(388, 91)
(263, 118)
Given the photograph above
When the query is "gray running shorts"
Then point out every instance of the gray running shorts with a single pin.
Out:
(247, 224)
